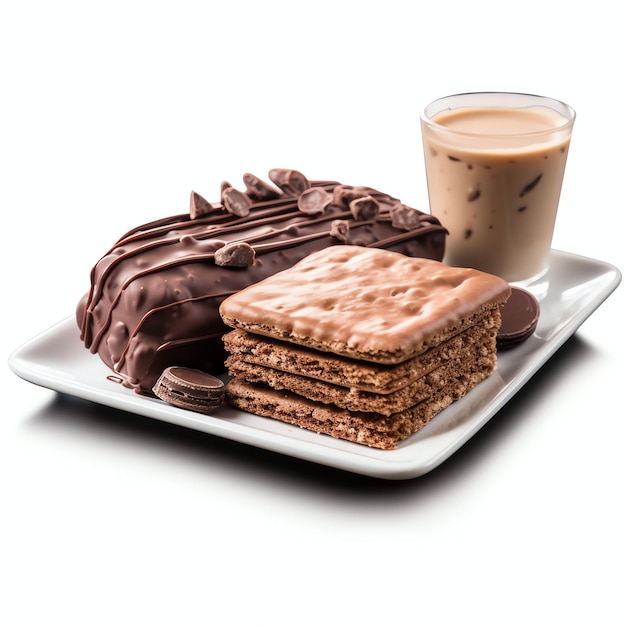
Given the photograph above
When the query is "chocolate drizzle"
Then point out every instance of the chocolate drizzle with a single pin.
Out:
(155, 294)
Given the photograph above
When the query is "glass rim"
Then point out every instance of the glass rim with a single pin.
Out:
(563, 109)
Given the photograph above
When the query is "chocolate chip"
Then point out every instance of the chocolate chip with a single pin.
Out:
(365, 208)
(520, 315)
(291, 182)
(340, 229)
(404, 217)
(344, 194)
(531, 185)
(473, 195)
(236, 202)
(258, 189)
(198, 206)
(314, 200)
(453, 158)
(521, 209)
(468, 233)
(237, 254)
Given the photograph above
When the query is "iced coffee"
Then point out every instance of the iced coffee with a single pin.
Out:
(494, 166)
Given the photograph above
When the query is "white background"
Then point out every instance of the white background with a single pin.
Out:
(110, 114)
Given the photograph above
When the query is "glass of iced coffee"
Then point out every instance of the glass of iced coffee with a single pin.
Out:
(494, 169)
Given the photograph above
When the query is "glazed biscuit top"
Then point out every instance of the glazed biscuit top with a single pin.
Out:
(366, 303)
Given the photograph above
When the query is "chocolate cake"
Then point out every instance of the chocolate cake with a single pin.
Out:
(362, 344)
(154, 296)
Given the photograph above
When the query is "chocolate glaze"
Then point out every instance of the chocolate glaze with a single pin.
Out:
(155, 294)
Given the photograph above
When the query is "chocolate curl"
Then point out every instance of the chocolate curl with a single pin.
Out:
(259, 190)
(236, 202)
(291, 182)
(314, 200)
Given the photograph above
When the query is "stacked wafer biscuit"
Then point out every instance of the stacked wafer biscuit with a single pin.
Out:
(360, 343)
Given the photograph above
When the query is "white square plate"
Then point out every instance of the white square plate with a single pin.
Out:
(58, 360)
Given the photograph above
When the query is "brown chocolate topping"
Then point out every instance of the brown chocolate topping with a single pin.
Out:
(314, 200)
(236, 202)
(154, 295)
(291, 182)
(340, 229)
(198, 206)
(238, 254)
(364, 208)
(345, 194)
(257, 189)
(406, 218)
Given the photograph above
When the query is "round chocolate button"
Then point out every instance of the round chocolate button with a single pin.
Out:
(520, 315)
(190, 389)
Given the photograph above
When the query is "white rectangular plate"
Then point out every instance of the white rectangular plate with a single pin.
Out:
(58, 360)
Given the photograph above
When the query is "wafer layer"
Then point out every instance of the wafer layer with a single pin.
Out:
(347, 372)
(475, 353)
(369, 429)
